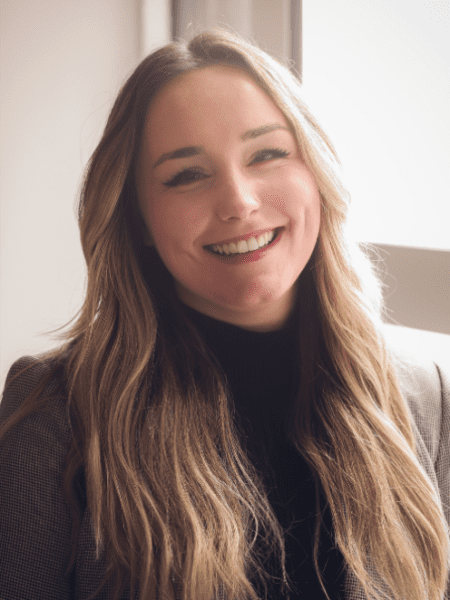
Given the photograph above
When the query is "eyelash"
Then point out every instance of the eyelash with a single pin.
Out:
(183, 178)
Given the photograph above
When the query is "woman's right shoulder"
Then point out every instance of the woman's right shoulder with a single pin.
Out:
(35, 520)
(42, 375)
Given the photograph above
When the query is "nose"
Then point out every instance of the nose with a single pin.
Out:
(237, 198)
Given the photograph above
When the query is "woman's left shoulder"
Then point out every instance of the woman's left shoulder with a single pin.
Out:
(424, 381)
(425, 385)
(422, 361)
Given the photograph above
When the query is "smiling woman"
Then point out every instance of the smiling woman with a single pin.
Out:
(225, 419)
(249, 179)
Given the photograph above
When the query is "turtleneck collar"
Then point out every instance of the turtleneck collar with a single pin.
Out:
(243, 348)
(210, 323)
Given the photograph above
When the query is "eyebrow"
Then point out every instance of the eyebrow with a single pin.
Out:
(189, 151)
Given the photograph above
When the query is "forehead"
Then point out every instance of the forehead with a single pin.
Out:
(216, 100)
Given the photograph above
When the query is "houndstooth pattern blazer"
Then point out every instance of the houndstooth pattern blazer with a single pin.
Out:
(35, 522)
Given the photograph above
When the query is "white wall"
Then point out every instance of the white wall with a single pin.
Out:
(377, 76)
(62, 63)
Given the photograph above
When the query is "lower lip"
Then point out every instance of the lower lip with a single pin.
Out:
(237, 259)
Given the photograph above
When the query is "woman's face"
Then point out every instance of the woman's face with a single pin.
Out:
(210, 171)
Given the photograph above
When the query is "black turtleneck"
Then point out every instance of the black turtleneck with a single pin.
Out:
(261, 370)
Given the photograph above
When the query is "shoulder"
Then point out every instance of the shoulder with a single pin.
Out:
(35, 521)
(49, 407)
(425, 385)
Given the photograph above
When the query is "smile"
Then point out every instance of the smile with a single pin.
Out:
(244, 246)
(249, 256)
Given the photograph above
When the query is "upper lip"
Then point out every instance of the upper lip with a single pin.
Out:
(244, 236)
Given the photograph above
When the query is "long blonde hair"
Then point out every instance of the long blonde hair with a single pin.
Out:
(170, 490)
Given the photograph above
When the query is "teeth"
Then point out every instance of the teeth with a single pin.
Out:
(244, 246)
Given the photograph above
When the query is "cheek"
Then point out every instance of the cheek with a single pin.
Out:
(306, 206)
(314, 203)
(313, 214)
(173, 229)
(181, 222)
(306, 185)
(192, 218)
(163, 226)
(302, 196)
(157, 222)
(309, 192)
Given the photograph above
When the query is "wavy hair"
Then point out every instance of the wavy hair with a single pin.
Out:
(170, 488)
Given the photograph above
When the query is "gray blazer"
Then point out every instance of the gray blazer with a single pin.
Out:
(35, 522)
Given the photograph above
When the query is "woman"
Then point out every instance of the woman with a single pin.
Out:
(224, 419)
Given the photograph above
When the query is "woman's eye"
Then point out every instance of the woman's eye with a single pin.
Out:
(186, 176)
(190, 175)
(270, 154)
